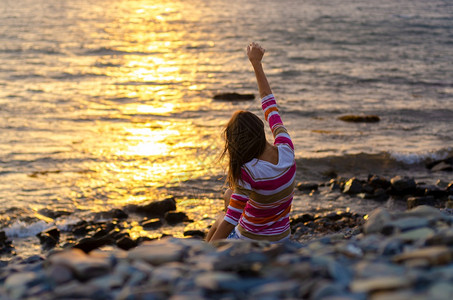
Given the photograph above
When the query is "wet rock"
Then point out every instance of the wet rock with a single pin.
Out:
(449, 188)
(154, 209)
(402, 185)
(378, 182)
(157, 252)
(83, 266)
(441, 165)
(53, 214)
(353, 186)
(89, 244)
(195, 233)
(307, 186)
(6, 245)
(419, 234)
(234, 97)
(115, 213)
(173, 218)
(49, 238)
(126, 243)
(152, 223)
(360, 119)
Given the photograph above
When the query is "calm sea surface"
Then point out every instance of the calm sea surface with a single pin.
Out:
(109, 102)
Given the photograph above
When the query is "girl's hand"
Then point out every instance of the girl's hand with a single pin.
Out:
(255, 52)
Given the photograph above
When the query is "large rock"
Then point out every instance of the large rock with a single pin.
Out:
(352, 186)
(435, 255)
(360, 118)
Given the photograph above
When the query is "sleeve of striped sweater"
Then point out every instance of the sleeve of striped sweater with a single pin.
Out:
(238, 201)
(272, 116)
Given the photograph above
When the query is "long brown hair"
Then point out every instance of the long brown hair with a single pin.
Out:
(245, 140)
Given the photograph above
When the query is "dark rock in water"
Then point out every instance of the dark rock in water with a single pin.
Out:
(126, 243)
(302, 219)
(430, 190)
(49, 238)
(155, 209)
(416, 201)
(360, 119)
(402, 185)
(175, 217)
(6, 245)
(307, 186)
(352, 186)
(89, 244)
(234, 97)
(449, 188)
(441, 165)
(194, 233)
(152, 224)
(115, 213)
(53, 214)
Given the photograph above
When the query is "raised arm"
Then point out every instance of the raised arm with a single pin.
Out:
(255, 53)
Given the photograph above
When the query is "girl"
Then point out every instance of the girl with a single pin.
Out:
(261, 175)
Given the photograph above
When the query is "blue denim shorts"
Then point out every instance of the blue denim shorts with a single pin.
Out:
(233, 235)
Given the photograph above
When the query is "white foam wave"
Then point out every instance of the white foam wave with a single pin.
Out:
(417, 158)
(22, 229)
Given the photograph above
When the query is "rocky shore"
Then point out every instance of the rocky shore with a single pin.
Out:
(380, 255)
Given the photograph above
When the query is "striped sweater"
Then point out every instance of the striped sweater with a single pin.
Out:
(260, 204)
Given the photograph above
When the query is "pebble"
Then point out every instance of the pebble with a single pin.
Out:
(394, 255)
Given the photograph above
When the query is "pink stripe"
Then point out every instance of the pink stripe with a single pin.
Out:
(269, 185)
(235, 215)
(246, 177)
(268, 103)
(265, 213)
(274, 119)
(239, 198)
(284, 140)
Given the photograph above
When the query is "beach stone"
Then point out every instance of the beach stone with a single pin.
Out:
(152, 223)
(82, 265)
(376, 221)
(329, 291)
(417, 201)
(216, 280)
(434, 255)
(449, 188)
(360, 119)
(378, 181)
(403, 185)
(352, 186)
(409, 223)
(417, 234)
(234, 97)
(59, 273)
(432, 190)
(424, 211)
(276, 290)
(18, 284)
(157, 252)
(6, 245)
(115, 213)
(53, 214)
(75, 290)
(307, 186)
(174, 218)
(379, 283)
(442, 290)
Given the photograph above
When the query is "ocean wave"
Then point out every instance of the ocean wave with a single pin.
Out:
(22, 229)
(418, 158)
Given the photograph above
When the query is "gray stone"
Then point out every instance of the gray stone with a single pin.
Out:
(424, 200)
(18, 284)
(59, 274)
(379, 284)
(83, 266)
(442, 290)
(216, 280)
(424, 211)
(376, 220)
(435, 255)
(276, 290)
(417, 234)
(157, 252)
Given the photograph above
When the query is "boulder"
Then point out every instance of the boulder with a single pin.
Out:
(402, 185)
(352, 186)
(151, 223)
(307, 186)
(173, 218)
(156, 208)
